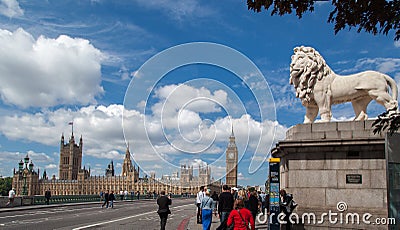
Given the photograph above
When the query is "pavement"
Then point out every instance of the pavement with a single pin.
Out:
(193, 225)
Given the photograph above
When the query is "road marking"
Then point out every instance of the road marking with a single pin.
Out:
(125, 218)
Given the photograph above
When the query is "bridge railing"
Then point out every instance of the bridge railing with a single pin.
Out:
(63, 199)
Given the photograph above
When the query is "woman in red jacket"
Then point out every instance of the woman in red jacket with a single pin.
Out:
(240, 217)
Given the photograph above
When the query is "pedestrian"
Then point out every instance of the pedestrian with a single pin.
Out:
(214, 196)
(138, 194)
(254, 204)
(121, 195)
(225, 205)
(106, 199)
(263, 197)
(241, 217)
(242, 195)
(132, 194)
(207, 207)
(267, 203)
(287, 205)
(234, 192)
(111, 198)
(125, 195)
(47, 195)
(199, 198)
(101, 196)
(163, 209)
(11, 196)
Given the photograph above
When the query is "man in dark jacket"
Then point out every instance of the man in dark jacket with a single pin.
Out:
(111, 198)
(225, 203)
(163, 208)
(47, 195)
(254, 204)
(106, 199)
(287, 205)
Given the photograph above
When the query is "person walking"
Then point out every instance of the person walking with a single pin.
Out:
(207, 207)
(47, 195)
(101, 196)
(106, 199)
(11, 196)
(214, 196)
(225, 205)
(254, 204)
(121, 195)
(111, 197)
(263, 197)
(241, 217)
(287, 205)
(163, 209)
(199, 198)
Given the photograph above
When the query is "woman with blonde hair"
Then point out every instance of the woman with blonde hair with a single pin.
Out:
(240, 217)
(207, 207)
(242, 195)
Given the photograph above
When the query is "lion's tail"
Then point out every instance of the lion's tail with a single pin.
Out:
(393, 86)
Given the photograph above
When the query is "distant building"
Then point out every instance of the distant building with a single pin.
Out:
(73, 180)
(70, 159)
(26, 179)
(188, 180)
(110, 170)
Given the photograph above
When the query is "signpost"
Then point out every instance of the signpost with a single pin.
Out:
(274, 209)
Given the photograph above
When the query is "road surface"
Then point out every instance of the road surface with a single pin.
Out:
(140, 215)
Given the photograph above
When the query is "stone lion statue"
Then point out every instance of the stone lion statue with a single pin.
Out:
(319, 87)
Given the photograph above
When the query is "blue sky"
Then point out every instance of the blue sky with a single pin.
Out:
(76, 60)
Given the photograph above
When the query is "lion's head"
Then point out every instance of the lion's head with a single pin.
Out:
(306, 68)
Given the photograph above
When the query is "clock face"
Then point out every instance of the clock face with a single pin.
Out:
(231, 155)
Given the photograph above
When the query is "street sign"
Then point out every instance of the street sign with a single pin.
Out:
(274, 209)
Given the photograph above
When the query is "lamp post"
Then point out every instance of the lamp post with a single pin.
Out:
(25, 172)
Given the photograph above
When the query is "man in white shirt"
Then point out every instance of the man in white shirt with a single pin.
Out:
(11, 195)
(199, 198)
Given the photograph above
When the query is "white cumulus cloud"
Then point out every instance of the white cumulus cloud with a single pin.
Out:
(47, 72)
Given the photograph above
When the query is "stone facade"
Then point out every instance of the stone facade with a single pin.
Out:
(76, 181)
(318, 162)
(70, 158)
(188, 180)
(26, 179)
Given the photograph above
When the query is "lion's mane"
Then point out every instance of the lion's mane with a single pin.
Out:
(307, 67)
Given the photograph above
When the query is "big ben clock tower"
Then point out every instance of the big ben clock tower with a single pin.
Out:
(231, 162)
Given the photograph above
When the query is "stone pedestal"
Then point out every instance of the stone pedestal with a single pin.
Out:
(323, 164)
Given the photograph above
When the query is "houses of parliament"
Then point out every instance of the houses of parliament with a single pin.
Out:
(75, 180)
